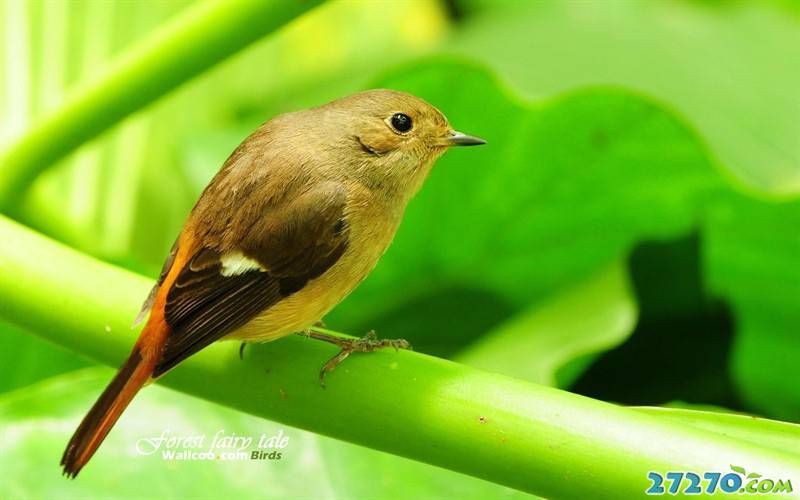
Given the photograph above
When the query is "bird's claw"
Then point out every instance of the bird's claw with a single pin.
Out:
(368, 343)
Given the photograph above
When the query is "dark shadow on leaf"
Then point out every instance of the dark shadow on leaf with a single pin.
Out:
(680, 348)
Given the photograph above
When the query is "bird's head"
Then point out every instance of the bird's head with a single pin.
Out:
(393, 138)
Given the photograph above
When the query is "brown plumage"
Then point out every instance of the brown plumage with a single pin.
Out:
(298, 215)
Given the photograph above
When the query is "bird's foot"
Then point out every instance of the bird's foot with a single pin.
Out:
(368, 343)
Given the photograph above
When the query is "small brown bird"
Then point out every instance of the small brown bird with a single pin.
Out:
(296, 218)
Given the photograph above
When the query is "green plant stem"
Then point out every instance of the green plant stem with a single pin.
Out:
(534, 438)
(199, 38)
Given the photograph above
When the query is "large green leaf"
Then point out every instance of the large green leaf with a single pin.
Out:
(752, 258)
(731, 68)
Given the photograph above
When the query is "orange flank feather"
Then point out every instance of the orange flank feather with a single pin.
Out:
(131, 377)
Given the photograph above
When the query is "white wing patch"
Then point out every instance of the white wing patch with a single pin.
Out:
(236, 263)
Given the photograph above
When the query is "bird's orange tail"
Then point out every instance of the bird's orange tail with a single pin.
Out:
(106, 411)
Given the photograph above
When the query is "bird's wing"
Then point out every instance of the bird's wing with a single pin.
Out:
(217, 291)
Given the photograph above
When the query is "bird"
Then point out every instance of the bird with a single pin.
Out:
(296, 217)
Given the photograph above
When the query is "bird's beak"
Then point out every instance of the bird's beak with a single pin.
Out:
(454, 138)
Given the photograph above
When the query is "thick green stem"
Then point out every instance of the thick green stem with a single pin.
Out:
(204, 35)
(538, 439)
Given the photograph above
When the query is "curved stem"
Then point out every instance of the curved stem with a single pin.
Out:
(199, 38)
(534, 438)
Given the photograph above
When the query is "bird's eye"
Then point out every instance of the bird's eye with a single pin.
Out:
(401, 122)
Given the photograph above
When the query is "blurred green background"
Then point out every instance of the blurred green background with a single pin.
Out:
(631, 232)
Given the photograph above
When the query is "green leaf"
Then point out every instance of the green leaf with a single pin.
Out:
(738, 469)
(552, 341)
(744, 107)
(752, 260)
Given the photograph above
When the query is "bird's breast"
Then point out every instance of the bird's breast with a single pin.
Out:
(372, 228)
